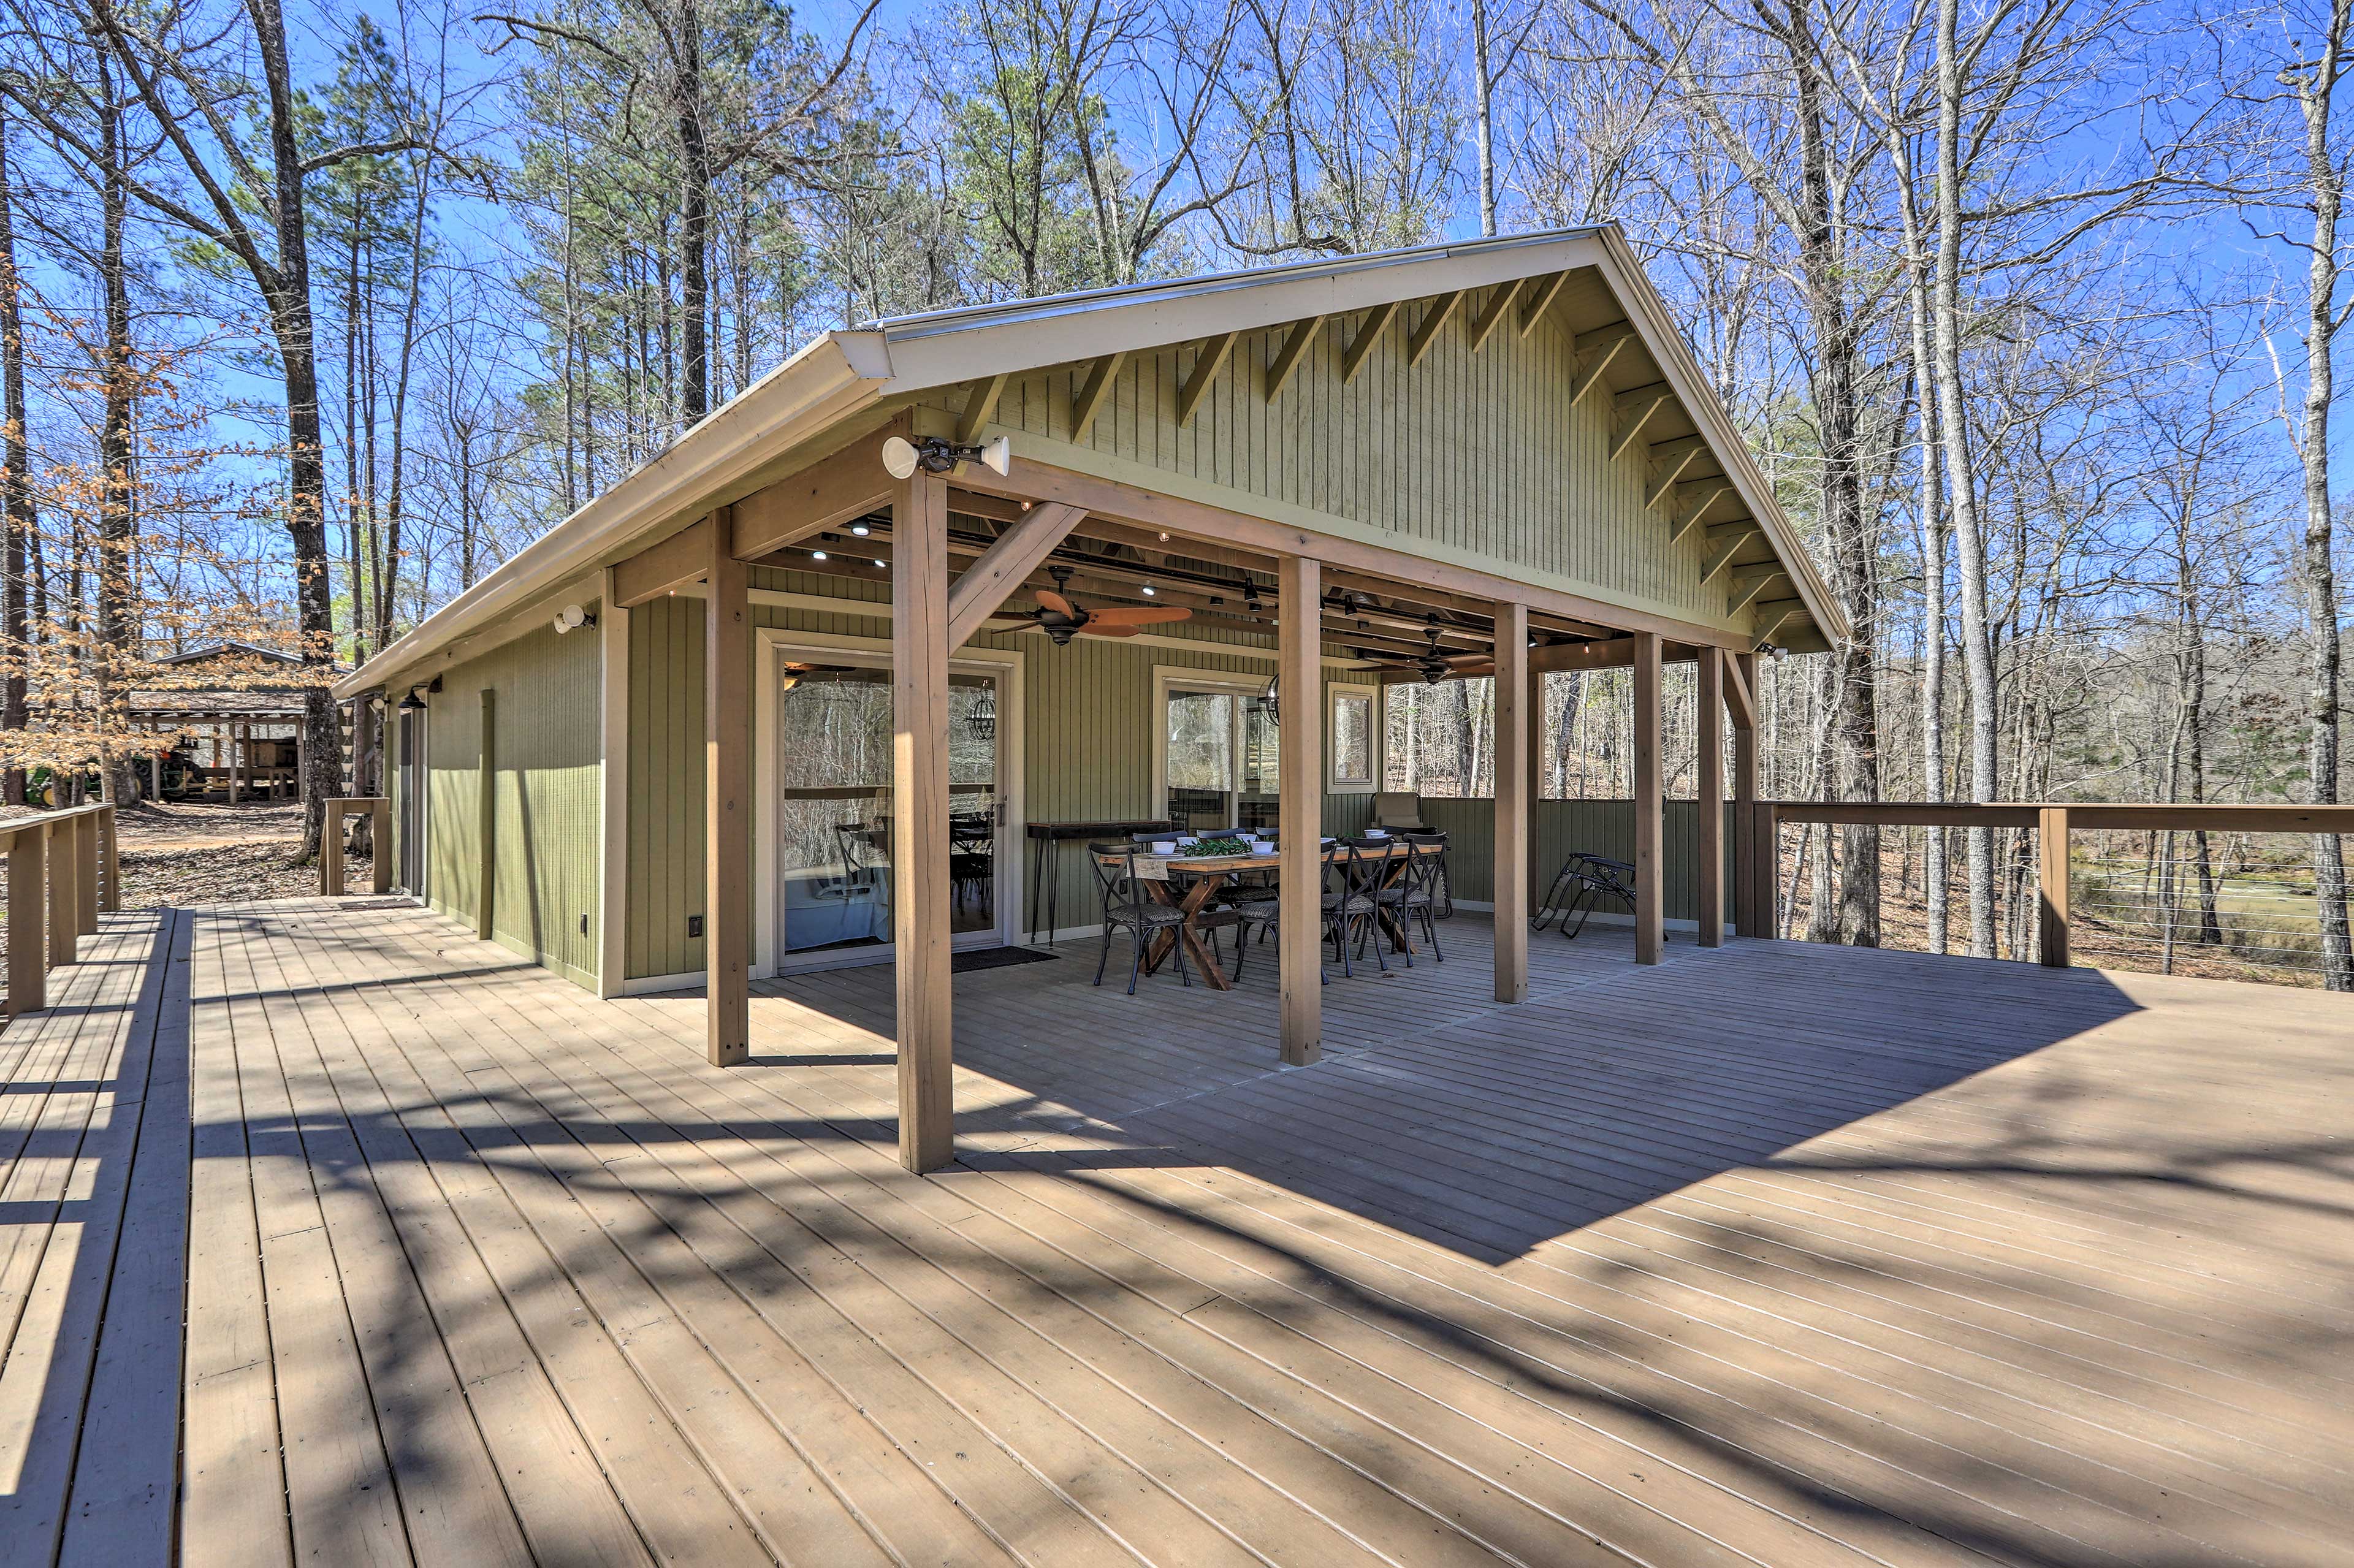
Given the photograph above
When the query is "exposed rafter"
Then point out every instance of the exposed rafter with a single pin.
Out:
(1722, 550)
(1207, 363)
(1540, 296)
(1377, 321)
(1692, 501)
(1668, 460)
(1634, 409)
(1090, 399)
(1774, 615)
(1748, 582)
(1434, 317)
(980, 407)
(1598, 348)
(1492, 314)
(1287, 358)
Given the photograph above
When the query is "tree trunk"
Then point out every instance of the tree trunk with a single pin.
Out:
(16, 485)
(694, 217)
(113, 655)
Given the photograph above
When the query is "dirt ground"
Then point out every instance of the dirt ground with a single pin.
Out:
(187, 852)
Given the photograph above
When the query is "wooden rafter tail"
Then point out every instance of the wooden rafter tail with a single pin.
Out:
(1668, 460)
(1541, 297)
(1598, 348)
(1295, 348)
(1492, 314)
(1748, 583)
(1635, 409)
(980, 407)
(1425, 331)
(1207, 363)
(1088, 401)
(1377, 320)
(1690, 510)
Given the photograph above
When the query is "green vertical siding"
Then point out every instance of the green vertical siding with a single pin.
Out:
(1560, 828)
(1478, 453)
(546, 792)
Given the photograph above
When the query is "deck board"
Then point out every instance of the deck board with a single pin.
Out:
(1773, 1253)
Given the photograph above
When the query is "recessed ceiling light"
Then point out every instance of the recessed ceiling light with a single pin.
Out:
(878, 561)
(817, 554)
(1148, 590)
(859, 529)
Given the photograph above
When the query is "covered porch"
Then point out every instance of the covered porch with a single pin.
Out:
(333, 1232)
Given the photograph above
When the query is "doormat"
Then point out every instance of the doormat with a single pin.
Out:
(998, 959)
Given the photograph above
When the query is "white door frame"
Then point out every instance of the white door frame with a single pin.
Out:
(770, 643)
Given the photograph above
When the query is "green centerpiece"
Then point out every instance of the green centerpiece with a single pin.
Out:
(1209, 848)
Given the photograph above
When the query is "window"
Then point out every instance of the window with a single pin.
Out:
(1440, 740)
(1217, 750)
(1349, 739)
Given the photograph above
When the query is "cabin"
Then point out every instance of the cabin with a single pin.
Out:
(854, 672)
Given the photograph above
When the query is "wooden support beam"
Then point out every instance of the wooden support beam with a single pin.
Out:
(1598, 349)
(1287, 358)
(380, 835)
(1711, 798)
(1299, 924)
(1753, 872)
(1634, 410)
(28, 946)
(1668, 460)
(838, 488)
(1722, 550)
(919, 822)
(110, 863)
(727, 803)
(486, 816)
(2052, 887)
(1492, 314)
(1004, 566)
(1377, 321)
(1513, 707)
(980, 407)
(1692, 501)
(1425, 331)
(1748, 582)
(663, 566)
(1739, 693)
(1208, 361)
(1651, 826)
(1088, 400)
(1538, 298)
(1774, 615)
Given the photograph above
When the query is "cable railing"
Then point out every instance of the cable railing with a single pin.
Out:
(64, 871)
(2222, 891)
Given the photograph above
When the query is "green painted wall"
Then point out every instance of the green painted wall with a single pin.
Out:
(1479, 453)
(547, 828)
(1561, 827)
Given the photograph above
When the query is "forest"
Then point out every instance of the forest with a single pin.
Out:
(2027, 309)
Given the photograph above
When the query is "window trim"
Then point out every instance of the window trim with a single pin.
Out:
(1335, 692)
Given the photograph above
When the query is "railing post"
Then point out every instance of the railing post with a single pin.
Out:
(380, 825)
(65, 904)
(331, 851)
(2052, 886)
(110, 859)
(86, 873)
(1767, 874)
(28, 946)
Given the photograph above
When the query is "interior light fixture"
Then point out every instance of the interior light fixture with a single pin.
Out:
(878, 561)
(1148, 590)
(817, 554)
(859, 529)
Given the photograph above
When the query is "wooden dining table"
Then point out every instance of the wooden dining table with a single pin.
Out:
(1207, 873)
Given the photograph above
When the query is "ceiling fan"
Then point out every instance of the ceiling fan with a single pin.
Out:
(1061, 619)
(1433, 665)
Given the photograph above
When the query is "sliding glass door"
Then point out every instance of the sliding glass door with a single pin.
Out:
(831, 808)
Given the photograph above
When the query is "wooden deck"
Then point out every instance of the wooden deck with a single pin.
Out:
(1775, 1253)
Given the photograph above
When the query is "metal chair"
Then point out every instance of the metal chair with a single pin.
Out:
(1127, 908)
(1352, 904)
(1413, 893)
(1442, 878)
(1583, 880)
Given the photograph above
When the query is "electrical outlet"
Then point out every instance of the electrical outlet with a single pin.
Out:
(694, 925)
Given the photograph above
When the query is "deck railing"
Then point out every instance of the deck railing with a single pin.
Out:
(379, 811)
(63, 871)
(2054, 827)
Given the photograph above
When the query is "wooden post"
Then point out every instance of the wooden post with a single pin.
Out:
(236, 763)
(86, 872)
(1752, 851)
(1650, 919)
(64, 901)
(28, 947)
(330, 852)
(380, 818)
(301, 765)
(1711, 741)
(1512, 827)
(727, 798)
(2052, 886)
(920, 822)
(1300, 790)
(110, 863)
(486, 818)
(155, 775)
